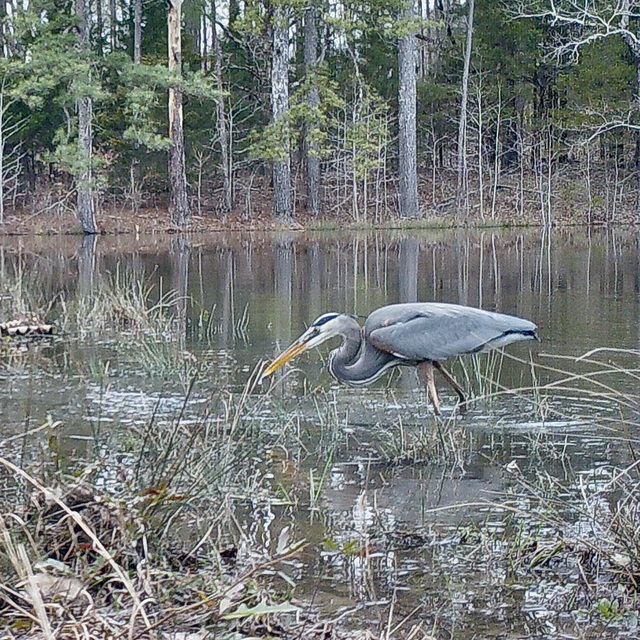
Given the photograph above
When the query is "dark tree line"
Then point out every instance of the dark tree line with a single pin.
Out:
(360, 110)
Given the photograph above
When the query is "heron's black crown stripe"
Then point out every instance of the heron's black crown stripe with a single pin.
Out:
(325, 318)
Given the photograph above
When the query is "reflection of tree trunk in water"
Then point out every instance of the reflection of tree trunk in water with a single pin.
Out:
(228, 316)
(180, 253)
(314, 254)
(354, 255)
(497, 289)
(282, 275)
(87, 264)
(408, 256)
(462, 260)
(481, 272)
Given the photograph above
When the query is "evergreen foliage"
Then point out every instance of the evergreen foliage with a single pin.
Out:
(528, 108)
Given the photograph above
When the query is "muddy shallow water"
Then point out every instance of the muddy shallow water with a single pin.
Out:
(400, 509)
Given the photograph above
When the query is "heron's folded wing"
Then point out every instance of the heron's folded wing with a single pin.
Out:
(440, 335)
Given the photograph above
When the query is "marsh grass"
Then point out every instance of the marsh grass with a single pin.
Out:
(150, 539)
(149, 530)
(23, 296)
(191, 521)
(441, 441)
(120, 302)
(139, 322)
(580, 528)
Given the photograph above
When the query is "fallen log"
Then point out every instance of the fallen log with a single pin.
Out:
(31, 327)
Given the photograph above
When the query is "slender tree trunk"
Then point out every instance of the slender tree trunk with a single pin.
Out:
(85, 205)
(223, 125)
(179, 207)
(204, 40)
(137, 31)
(113, 24)
(280, 104)
(496, 159)
(234, 11)
(2, 147)
(311, 151)
(99, 28)
(462, 124)
(137, 60)
(4, 29)
(407, 161)
(84, 199)
(480, 152)
(637, 61)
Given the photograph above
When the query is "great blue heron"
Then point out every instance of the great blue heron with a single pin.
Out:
(419, 334)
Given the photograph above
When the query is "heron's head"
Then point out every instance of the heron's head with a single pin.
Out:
(325, 327)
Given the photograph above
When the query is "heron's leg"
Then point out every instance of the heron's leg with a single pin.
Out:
(426, 371)
(455, 386)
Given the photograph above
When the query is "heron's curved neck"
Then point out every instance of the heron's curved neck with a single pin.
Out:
(355, 361)
(345, 355)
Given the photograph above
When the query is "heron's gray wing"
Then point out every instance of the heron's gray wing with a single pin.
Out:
(434, 331)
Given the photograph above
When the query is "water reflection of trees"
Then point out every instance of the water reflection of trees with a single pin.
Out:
(581, 288)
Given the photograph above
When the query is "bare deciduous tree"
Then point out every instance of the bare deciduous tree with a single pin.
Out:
(280, 105)
(179, 208)
(311, 151)
(84, 202)
(583, 23)
(462, 123)
(407, 160)
(10, 156)
(222, 122)
(137, 31)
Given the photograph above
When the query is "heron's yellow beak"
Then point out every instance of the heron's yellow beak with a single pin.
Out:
(300, 345)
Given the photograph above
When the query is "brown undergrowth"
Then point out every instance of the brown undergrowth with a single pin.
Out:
(516, 201)
(141, 545)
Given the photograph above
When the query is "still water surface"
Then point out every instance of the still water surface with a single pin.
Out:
(241, 298)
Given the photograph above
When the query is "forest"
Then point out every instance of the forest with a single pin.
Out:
(295, 111)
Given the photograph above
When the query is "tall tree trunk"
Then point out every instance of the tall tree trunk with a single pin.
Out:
(280, 105)
(311, 151)
(113, 22)
(137, 31)
(462, 124)
(234, 11)
(637, 61)
(99, 28)
(204, 40)
(223, 125)
(179, 207)
(84, 199)
(407, 162)
(3, 110)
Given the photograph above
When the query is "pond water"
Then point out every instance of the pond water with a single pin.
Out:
(363, 481)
